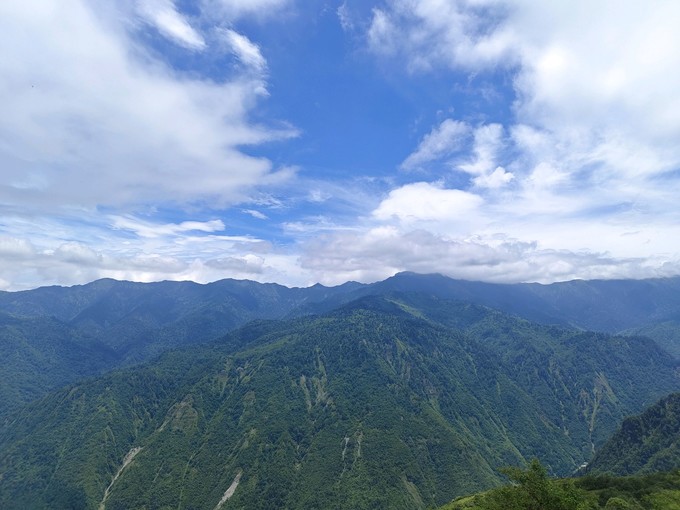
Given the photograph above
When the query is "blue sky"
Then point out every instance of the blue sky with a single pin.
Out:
(299, 141)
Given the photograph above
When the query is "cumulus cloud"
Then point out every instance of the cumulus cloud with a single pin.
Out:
(72, 262)
(422, 201)
(449, 137)
(487, 145)
(99, 137)
(248, 264)
(496, 179)
(138, 250)
(599, 79)
(14, 248)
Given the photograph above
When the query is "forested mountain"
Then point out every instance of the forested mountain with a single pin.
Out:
(56, 335)
(643, 444)
(107, 301)
(115, 324)
(611, 306)
(42, 353)
(404, 401)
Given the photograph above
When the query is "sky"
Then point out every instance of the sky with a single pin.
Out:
(305, 141)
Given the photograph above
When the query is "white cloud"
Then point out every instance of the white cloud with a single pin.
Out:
(591, 146)
(138, 250)
(249, 264)
(312, 226)
(422, 201)
(14, 248)
(442, 141)
(441, 32)
(97, 136)
(245, 50)
(496, 179)
(383, 251)
(449, 137)
(381, 34)
(150, 230)
(600, 79)
(318, 196)
(255, 214)
(579, 181)
(78, 254)
(85, 122)
(345, 17)
(488, 143)
(165, 17)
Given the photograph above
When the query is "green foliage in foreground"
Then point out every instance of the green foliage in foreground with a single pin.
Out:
(532, 489)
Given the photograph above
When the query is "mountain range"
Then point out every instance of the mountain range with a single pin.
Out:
(401, 394)
(118, 323)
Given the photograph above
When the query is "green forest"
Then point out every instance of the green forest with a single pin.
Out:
(398, 400)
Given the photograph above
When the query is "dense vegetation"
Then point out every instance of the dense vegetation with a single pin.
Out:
(645, 446)
(532, 489)
(48, 332)
(53, 336)
(42, 353)
(399, 402)
(646, 443)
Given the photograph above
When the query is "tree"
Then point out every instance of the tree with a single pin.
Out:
(532, 489)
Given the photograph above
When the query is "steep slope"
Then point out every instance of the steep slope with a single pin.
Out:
(41, 354)
(646, 443)
(375, 405)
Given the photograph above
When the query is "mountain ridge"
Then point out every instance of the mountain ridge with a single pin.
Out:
(135, 322)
